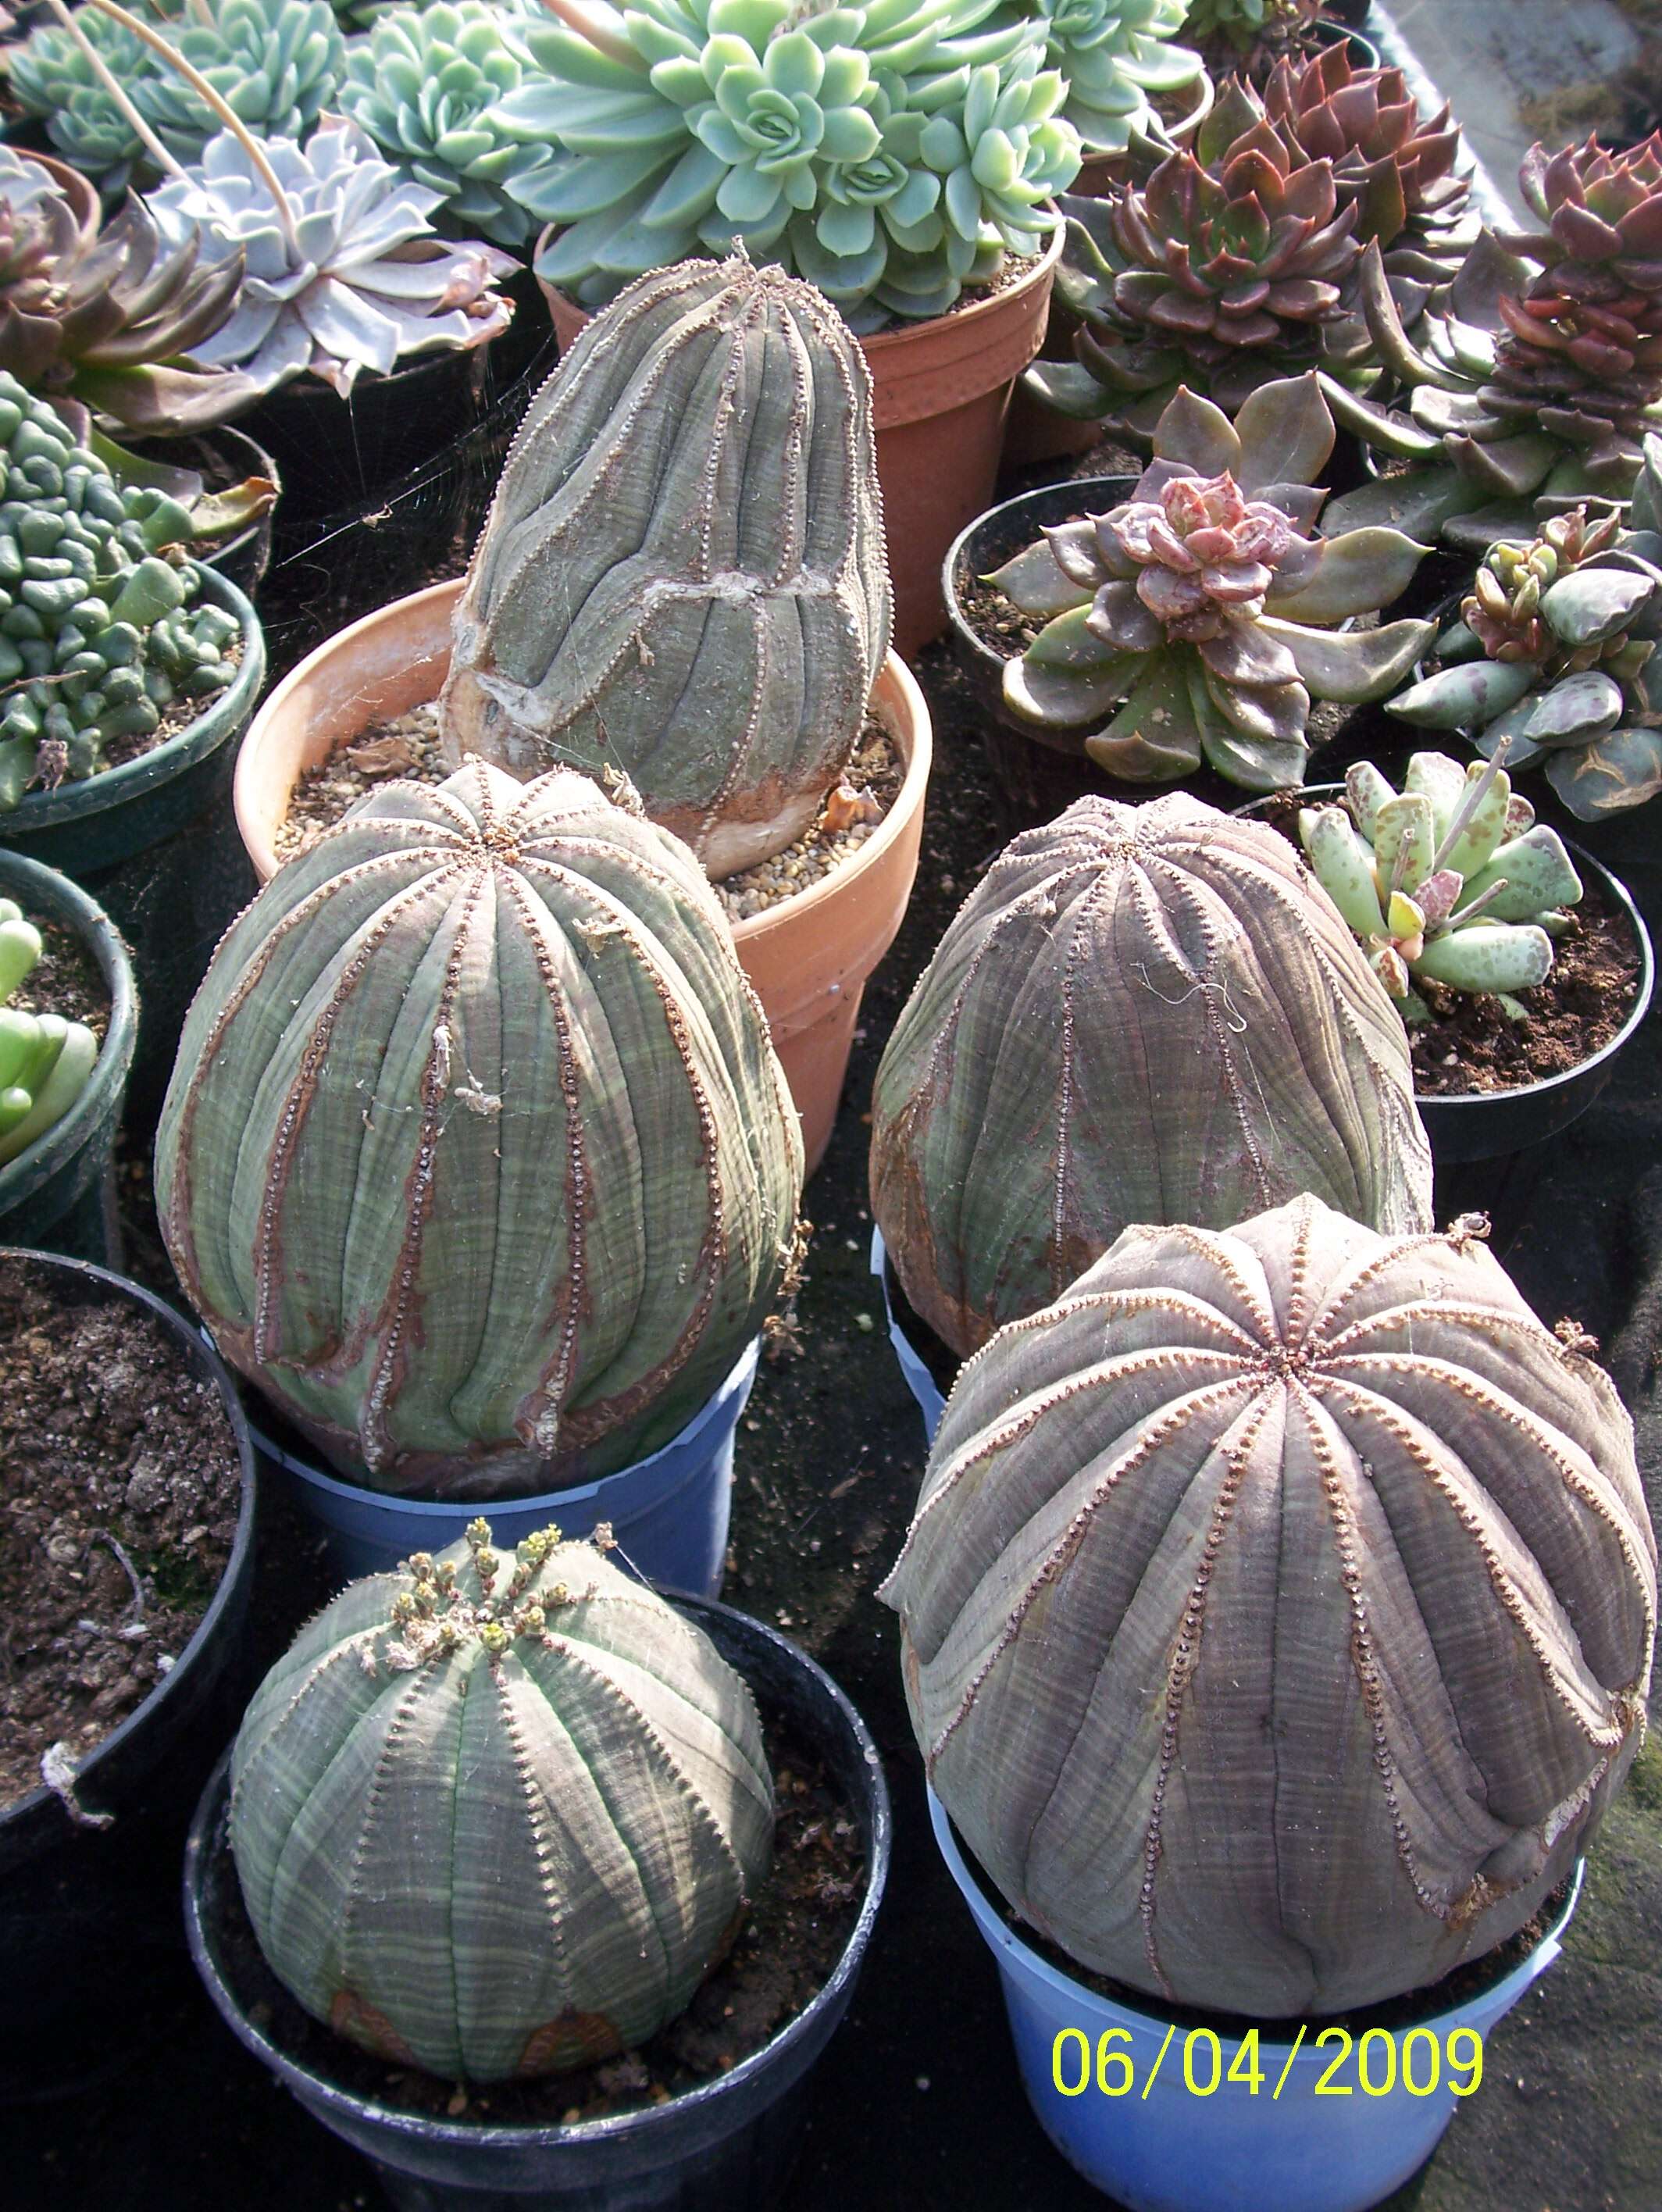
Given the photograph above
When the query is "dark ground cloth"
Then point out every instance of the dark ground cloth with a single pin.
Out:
(916, 2106)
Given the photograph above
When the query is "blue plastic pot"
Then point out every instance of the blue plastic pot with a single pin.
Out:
(1166, 2148)
(918, 1380)
(669, 1512)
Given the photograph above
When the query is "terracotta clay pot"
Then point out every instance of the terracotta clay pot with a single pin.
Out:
(942, 389)
(809, 957)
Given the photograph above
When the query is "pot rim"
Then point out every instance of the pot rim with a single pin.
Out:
(960, 547)
(1543, 1086)
(220, 719)
(195, 1349)
(323, 2089)
(907, 721)
(1108, 162)
(98, 936)
(1002, 1933)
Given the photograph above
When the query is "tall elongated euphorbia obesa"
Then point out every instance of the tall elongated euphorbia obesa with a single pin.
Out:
(499, 1814)
(1143, 1013)
(682, 575)
(476, 1157)
(1277, 1618)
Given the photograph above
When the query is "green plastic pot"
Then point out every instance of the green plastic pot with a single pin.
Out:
(156, 843)
(59, 1195)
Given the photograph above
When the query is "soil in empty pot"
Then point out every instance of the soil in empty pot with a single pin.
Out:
(798, 1930)
(1471, 1045)
(120, 1487)
(66, 980)
(406, 746)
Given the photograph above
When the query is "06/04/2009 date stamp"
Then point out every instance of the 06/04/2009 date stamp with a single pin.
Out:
(1376, 2064)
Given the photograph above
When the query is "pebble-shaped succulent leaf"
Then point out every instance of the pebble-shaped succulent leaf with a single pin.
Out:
(1277, 1618)
(1142, 1014)
(682, 574)
(477, 1155)
(44, 1060)
(497, 1815)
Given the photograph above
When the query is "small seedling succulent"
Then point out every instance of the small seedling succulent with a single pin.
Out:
(1450, 881)
(103, 316)
(1202, 607)
(45, 1061)
(424, 84)
(1113, 54)
(343, 273)
(890, 153)
(554, 1797)
(100, 634)
(1554, 657)
(683, 577)
(1533, 389)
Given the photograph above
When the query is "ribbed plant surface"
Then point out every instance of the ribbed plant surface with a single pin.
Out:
(682, 574)
(477, 1155)
(1277, 1614)
(1143, 1014)
(498, 1813)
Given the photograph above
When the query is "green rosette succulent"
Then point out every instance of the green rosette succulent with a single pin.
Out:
(424, 84)
(45, 1061)
(1533, 389)
(99, 633)
(277, 64)
(1113, 54)
(52, 79)
(560, 1797)
(1451, 880)
(1554, 659)
(1250, 28)
(890, 154)
(1202, 608)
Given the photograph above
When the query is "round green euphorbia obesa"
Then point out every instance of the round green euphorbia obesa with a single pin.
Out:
(498, 1814)
(1204, 608)
(477, 1155)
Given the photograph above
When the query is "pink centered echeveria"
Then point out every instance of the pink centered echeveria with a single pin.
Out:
(1203, 550)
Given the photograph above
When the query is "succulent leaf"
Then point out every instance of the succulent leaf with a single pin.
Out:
(1230, 1476)
(1013, 1137)
(45, 1061)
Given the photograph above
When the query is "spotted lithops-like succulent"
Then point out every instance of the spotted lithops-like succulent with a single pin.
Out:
(1277, 1618)
(499, 1814)
(1200, 617)
(1142, 1014)
(682, 575)
(476, 1157)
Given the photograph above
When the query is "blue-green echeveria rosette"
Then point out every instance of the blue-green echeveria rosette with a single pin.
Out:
(1197, 619)
(423, 83)
(359, 283)
(51, 78)
(888, 155)
(277, 64)
(1113, 54)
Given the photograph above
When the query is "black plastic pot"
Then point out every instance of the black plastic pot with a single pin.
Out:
(223, 458)
(385, 492)
(59, 1195)
(1490, 1125)
(89, 1916)
(1038, 772)
(155, 841)
(1364, 54)
(725, 2146)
